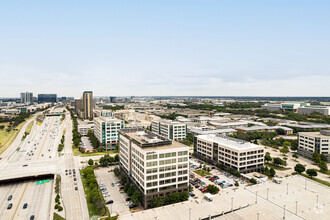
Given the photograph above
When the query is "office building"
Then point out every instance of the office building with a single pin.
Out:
(292, 106)
(308, 142)
(106, 131)
(27, 97)
(85, 126)
(88, 104)
(170, 129)
(47, 98)
(232, 153)
(156, 165)
(323, 110)
(78, 106)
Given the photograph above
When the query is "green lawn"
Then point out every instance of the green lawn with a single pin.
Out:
(276, 167)
(202, 172)
(76, 152)
(28, 130)
(57, 217)
(317, 180)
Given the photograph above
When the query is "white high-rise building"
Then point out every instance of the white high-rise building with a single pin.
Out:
(170, 129)
(156, 165)
(232, 153)
(27, 97)
(106, 131)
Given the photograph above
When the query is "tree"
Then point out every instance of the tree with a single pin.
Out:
(100, 149)
(131, 191)
(323, 166)
(311, 172)
(316, 157)
(272, 172)
(299, 168)
(253, 181)
(268, 158)
(126, 187)
(237, 174)
(286, 144)
(116, 171)
(157, 202)
(212, 189)
(136, 197)
(323, 158)
(236, 184)
(284, 150)
(295, 155)
(280, 131)
(90, 162)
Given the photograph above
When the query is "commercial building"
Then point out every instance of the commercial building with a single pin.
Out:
(103, 113)
(286, 130)
(170, 129)
(308, 142)
(88, 104)
(106, 131)
(293, 106)
(323, 110)
(78, 106)
(27, 97)
(232, 153)
(85, 126)
(156, 165)
(47, 98)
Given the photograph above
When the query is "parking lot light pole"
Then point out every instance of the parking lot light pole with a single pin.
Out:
(284, 212)
(305, 184)
(317, 201)
(296, 207)
(189, 212)
(287, 188)
(256, 197)
(232, 198)
(258, 215)
(267, 192)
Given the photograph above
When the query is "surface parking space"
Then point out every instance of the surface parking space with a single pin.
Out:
(107, 178)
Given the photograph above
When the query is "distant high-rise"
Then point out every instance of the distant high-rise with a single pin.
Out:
(88, 104)
(27, 97)
(47, 98)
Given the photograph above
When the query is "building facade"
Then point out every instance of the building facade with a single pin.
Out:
(47, 98)
(156, 165)
(170, 129)
(88, 104)
(106, 131)
(27, 97)
(308, 142)
(232, 153)
(324, 110)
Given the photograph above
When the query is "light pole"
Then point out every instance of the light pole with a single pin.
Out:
(284, 212)
(258, 215)
(232, 198)
(296, 207)
(267, 192)
(287, 188)
(256, 197)
(317, 201)
(189, 212)
(305, 184)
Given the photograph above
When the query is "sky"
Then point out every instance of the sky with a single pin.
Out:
(165, 48)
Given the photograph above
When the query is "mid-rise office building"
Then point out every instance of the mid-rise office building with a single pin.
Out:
(232, 153)
(78, 106)
(308, 142)
(88, 104)
(27, 97)
(156, 165)
(170, 129)
(47, 98)
(106, 131)
(324, 110)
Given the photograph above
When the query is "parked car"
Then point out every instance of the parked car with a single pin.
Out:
(9, 206)
(192, 194)
(131, 206)
(25, 205)
(76, 188)
(32, 217)
(10, 197)
(109, 202)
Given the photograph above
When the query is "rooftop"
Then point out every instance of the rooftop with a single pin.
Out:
(322, 134)
(233, 143)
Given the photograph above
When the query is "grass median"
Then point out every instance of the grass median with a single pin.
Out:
(202, 172)
(76, 152)
(317, 180)
(277, 167)
(95, 201)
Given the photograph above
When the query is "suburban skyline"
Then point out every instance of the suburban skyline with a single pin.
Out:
(214, 48)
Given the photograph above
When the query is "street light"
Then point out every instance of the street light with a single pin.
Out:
(296, 207)
(317, 201)
(258, 215)
(256, 197)
(287, 188)
(232, 198)
(284, 212)
(189, 212)
(267, 192)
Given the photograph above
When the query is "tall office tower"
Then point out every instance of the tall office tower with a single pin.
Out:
(78, 106)
(88, 104)
(27, 97)
(156, 165)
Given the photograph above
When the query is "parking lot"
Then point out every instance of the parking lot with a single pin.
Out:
(112, 192)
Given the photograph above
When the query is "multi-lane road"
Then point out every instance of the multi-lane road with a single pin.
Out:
(39, 149)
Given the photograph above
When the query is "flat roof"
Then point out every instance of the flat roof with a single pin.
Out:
(314, 134)
(233, 143)
(150, 141)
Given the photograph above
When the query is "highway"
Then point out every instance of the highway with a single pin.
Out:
(38, 147)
